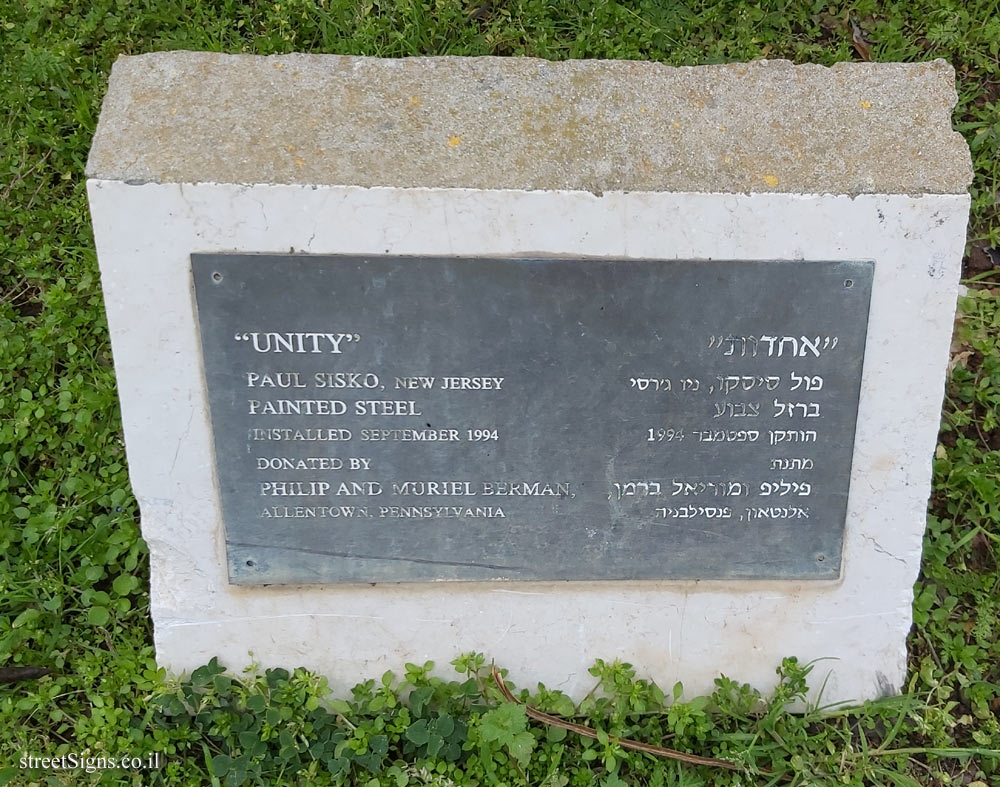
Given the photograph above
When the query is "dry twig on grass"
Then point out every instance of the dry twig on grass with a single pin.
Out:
(625, 743)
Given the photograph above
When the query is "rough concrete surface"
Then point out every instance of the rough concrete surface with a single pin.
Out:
(522, 123)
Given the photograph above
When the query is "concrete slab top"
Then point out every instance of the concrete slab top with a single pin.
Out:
(522, 123)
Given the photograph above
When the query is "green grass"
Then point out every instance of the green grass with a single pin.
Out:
(73, 569)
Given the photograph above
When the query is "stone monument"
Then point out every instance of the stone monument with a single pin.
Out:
(553, 361)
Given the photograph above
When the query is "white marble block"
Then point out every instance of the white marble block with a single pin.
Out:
(472, 157)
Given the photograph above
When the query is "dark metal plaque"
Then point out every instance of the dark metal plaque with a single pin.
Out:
(382, 419)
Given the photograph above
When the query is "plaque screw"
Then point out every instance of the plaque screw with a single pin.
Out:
(216, 277)
(820, 558)
(251, 564)
(848, 283)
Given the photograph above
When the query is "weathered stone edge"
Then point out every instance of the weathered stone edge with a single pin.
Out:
(120, 151)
